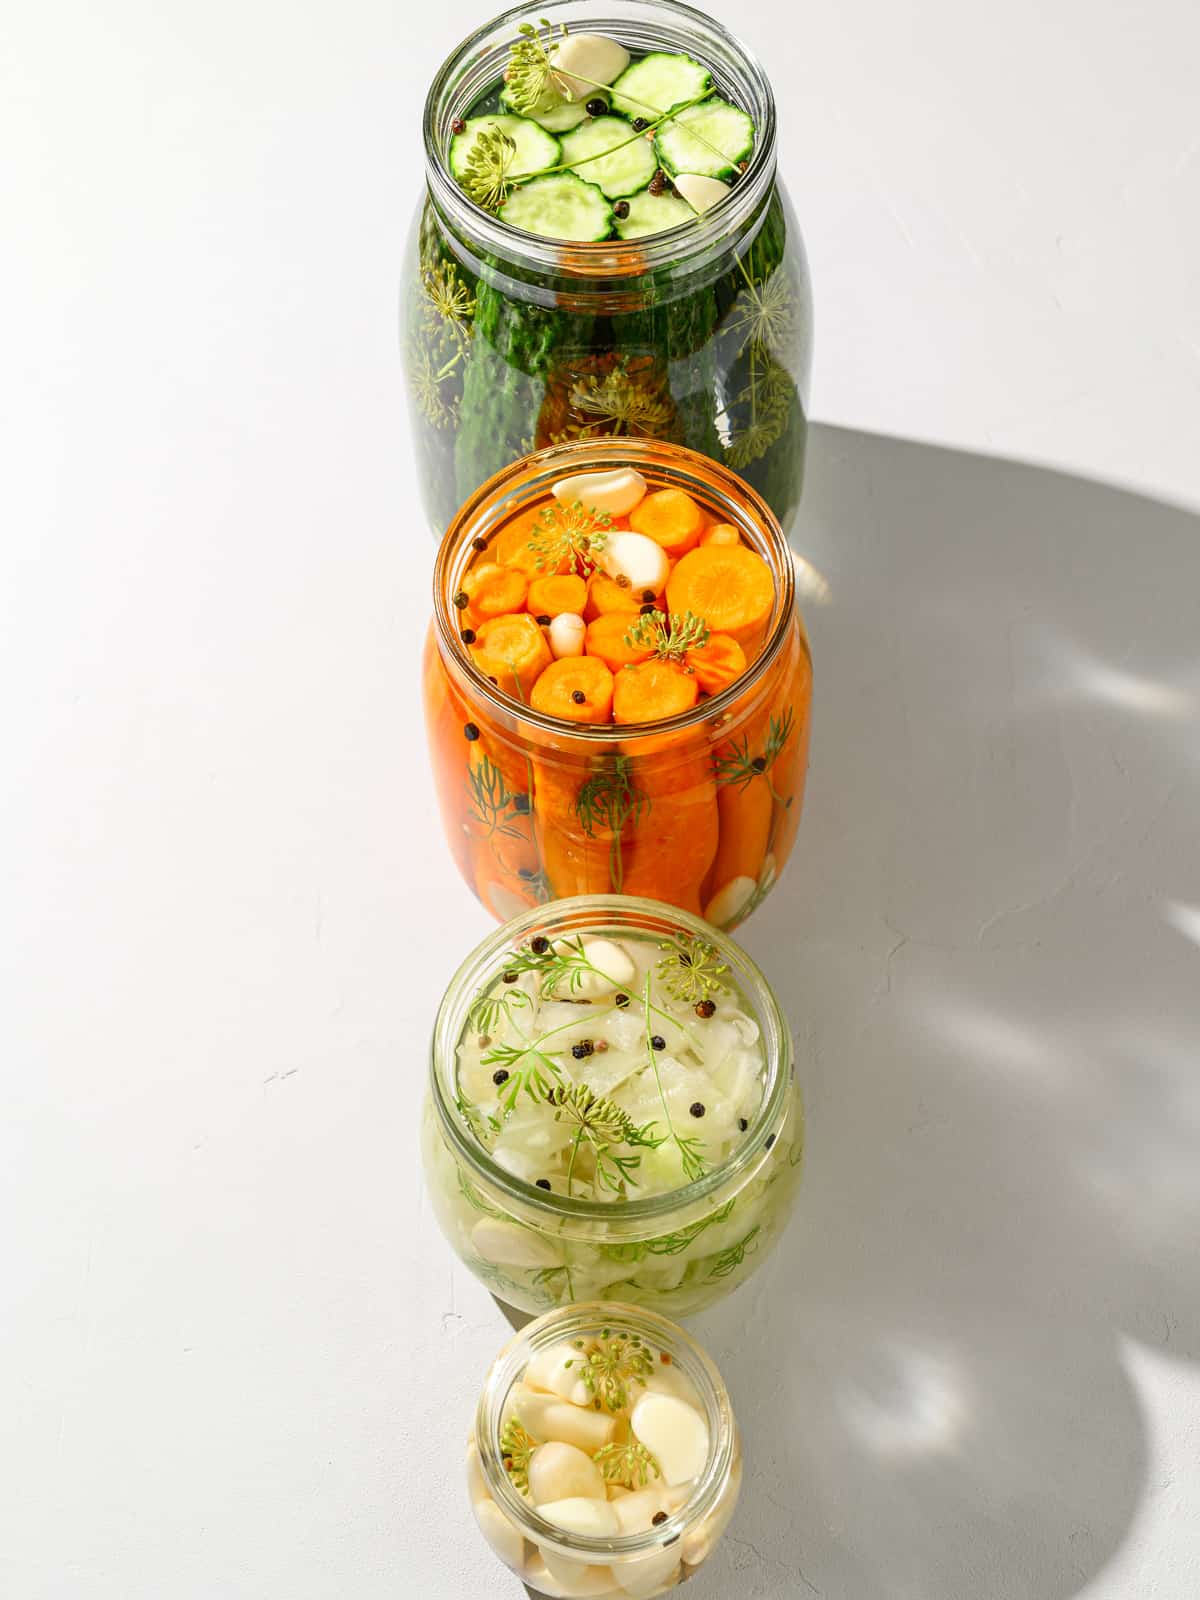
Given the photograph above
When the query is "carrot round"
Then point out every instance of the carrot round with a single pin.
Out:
(510, 547)
(719, 662)
(577, 689)
(548, 597)
(670, 517)
(606, 638)
(721, 533)
(605, 594)
(729, 586)
(652, 691)
(493, 590)
(513, 650)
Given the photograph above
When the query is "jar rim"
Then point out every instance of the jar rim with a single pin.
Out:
(481, 57)
(740, 504)
(605, 914)
(580, 1319)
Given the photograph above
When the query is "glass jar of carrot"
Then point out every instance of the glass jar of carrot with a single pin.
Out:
(618, 703)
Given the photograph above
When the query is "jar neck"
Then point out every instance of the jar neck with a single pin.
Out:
(609, 916)
(662, 1337)
(600, 269)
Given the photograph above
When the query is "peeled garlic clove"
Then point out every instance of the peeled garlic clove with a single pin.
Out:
(614, 492)
(636, 1511)
(556, 1369)
(634, 556)
(701, 193)
(559, 1471)
(670, 1380)
(614, 970)
(577, 1514)
(499, 1532)
(729, 902)
(546, 1418)
(643, 1576)
(596, 60)
(567, 634)
(566, 1578)
(506, 1244)
(675, 1435)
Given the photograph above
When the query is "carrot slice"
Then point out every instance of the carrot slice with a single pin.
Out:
(513, 650)
(729, 586)
(719, 662)
(721, 533)
(652, 691)
(548, 597)
(606, 638)
(577, 689)
(493, 590)
(670, 517)
(745, 814)
(605, 594)
(511, 545)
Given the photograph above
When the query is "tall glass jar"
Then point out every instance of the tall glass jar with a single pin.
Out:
(676, 1252)
(700, 809)
(644, 1562)
(700, 335)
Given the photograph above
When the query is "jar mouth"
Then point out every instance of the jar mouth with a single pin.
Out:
(477, 64)
(610, 916)
(583, 1320)
(529, 479)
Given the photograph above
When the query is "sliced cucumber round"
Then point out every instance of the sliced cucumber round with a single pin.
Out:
(630, 166)
(554, 113)
(709, 139)
(536, 149)
(559, 206)
(653, 213)
(659, 82)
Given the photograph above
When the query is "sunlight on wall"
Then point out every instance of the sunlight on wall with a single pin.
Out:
(912, 1404)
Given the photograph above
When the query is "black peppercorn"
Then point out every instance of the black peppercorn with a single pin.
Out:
(499, 1076)
(705, 1008)
(622, 581)
(479, 544)
(496, 681)
(509, 977)
(526, 873)
(596, 107)
(620, 1000)
(639, 124)
(520, 804)
(697, 1108)
(462, 599)
(542, 620)
(470, 732)
(582, 1050)
(458, 126)
(543, 1183)
(759, 763)
(468, 636)
(646, 611)
(540, 945)
(647, 594)
(659, 1516)
(621, 209)
(742, 1124)
(658, 182)
(578, 696)
(770, 1140)
(658, 1042)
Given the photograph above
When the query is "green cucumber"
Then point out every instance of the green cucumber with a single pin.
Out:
(721, 128)
(653, 213)
(559, 206)
(659, 82)
(552, 112)
(536, 149)
(630, 166)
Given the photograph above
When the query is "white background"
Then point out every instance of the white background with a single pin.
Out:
(238, 1361)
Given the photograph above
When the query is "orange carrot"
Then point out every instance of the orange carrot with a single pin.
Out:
(511, 545)
(606, 639)
(513, 650)
(493, 591)
(745, 815)
(605, 594)
(730, 586)
(652, 691)
(721, 533)
(719, 662)
(670, 517)
(548, 597)
(577, 689)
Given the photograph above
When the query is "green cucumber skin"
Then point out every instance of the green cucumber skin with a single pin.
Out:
(520, 355)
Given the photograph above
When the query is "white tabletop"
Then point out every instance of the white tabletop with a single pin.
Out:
(238, 1360)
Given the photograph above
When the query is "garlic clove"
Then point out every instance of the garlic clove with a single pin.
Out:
(701, 193)
(674, 1433)
(546, 1417)
(634, 556)
(577, 1514)
(505, 1540)
(730, 902)
(506, 1244)
(594, 58)
(559, 1471)
(615, 492)
(567, 634)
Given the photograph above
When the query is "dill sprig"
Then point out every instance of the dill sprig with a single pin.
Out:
(491, 800)
(740, 767)
(729, 1260)
(610, 1366)
(668, 638)
(602, 1124)
(485, 176)
(690, 970)
(536, 1077)
(688, 1146)
(610, 799)
(529, 75)
(630, 1464)
(571, 534)
(488, 1009)
(516, 1448)
(624, 401)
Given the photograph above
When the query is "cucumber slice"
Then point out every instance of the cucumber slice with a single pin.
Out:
(658, 83)
(653, 213)
(721, 127)
(553, 113)
(630, 166)
(559, 206)
(536, 149)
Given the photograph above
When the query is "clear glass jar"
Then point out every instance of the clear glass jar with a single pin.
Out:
(699, 810)
(677, 1252)
(637, 1564)
(700, 335)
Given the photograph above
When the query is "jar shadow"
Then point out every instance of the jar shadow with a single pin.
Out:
(986, 942)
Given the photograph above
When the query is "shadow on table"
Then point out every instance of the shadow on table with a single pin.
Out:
(987, 942)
